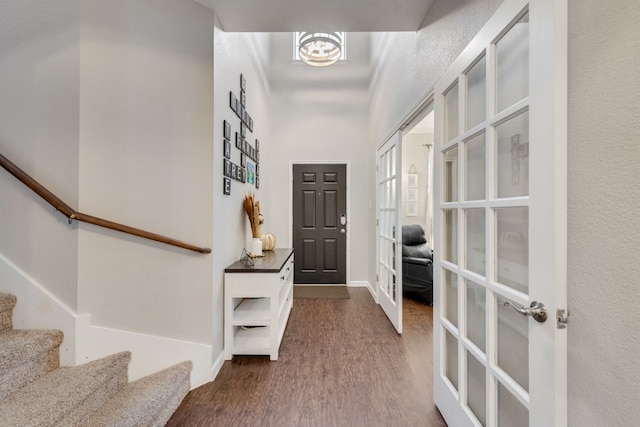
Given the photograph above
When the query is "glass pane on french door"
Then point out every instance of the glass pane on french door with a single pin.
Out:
(387, 230)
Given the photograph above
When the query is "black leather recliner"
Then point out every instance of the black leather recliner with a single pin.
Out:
(417, 265)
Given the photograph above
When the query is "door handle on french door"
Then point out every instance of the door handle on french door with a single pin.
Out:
(537, 310)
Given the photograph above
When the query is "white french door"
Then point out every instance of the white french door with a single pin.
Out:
(500, 222)
(389, 250)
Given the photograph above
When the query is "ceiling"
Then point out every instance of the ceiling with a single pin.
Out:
(319, 15)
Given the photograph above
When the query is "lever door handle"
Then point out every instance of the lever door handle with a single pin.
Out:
(537, 310)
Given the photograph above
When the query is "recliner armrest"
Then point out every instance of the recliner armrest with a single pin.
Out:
(418, 261)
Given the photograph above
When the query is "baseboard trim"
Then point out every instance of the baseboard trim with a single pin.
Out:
(373, 292)
(217, 365)
(149, 353)
(358, 284)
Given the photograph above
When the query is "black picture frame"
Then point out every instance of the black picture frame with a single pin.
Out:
(243, 160)
(250, 124)
(233, 102)
(243, 130)
(244, 176)
(257, 170)
(243, 82)
(238, 141)
(227, 130)
(226, 186)
(243, 98)
(227, 168)
(245, 146)
(257, 182)
(257, 145)
(227, 149)
(233, 170)
(240, 112)
(258, 157)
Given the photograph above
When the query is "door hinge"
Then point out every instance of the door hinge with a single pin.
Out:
(562, 317)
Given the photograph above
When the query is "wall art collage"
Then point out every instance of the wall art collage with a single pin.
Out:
(248, 169)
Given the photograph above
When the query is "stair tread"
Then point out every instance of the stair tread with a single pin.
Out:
(17, 346)
(26, 356)
(7, 301)
(149, 401)
(51, 398)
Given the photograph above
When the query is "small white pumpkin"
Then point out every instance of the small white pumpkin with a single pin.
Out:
(268, 242)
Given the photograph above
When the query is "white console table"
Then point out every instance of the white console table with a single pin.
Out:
(257, 303)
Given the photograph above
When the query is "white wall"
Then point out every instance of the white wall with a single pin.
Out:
(109, 105)
(414, 153)
(604, 201)
(320, 114)
(39, 125)
(235, 54)
(146, 103)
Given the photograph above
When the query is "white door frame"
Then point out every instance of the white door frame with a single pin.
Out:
(347, 163)
(426, 102)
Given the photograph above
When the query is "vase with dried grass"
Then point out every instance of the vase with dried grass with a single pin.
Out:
(252, 208)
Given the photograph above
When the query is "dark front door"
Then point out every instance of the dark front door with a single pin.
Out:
(319, 223)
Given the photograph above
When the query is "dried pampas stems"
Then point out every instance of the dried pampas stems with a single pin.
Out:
(252, 208)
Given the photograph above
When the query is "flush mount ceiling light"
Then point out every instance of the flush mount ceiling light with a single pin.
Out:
(320, 49)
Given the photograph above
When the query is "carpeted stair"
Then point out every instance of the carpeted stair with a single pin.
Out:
(35, 391)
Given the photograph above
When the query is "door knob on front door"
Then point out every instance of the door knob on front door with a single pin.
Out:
(343, 231)
(537, 310)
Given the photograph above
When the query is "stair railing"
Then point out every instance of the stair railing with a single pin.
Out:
(72, 214)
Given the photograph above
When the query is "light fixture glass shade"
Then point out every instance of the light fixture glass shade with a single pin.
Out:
(320, 49)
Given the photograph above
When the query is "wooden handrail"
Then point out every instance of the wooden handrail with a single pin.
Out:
(70, 213)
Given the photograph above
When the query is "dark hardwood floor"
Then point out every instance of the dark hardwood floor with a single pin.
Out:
(341, 363)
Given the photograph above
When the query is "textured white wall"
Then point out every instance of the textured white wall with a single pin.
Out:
(39, 122)
(235, 54)
(604, 201)
(405, 66)
(320, 114)
(146, 105)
